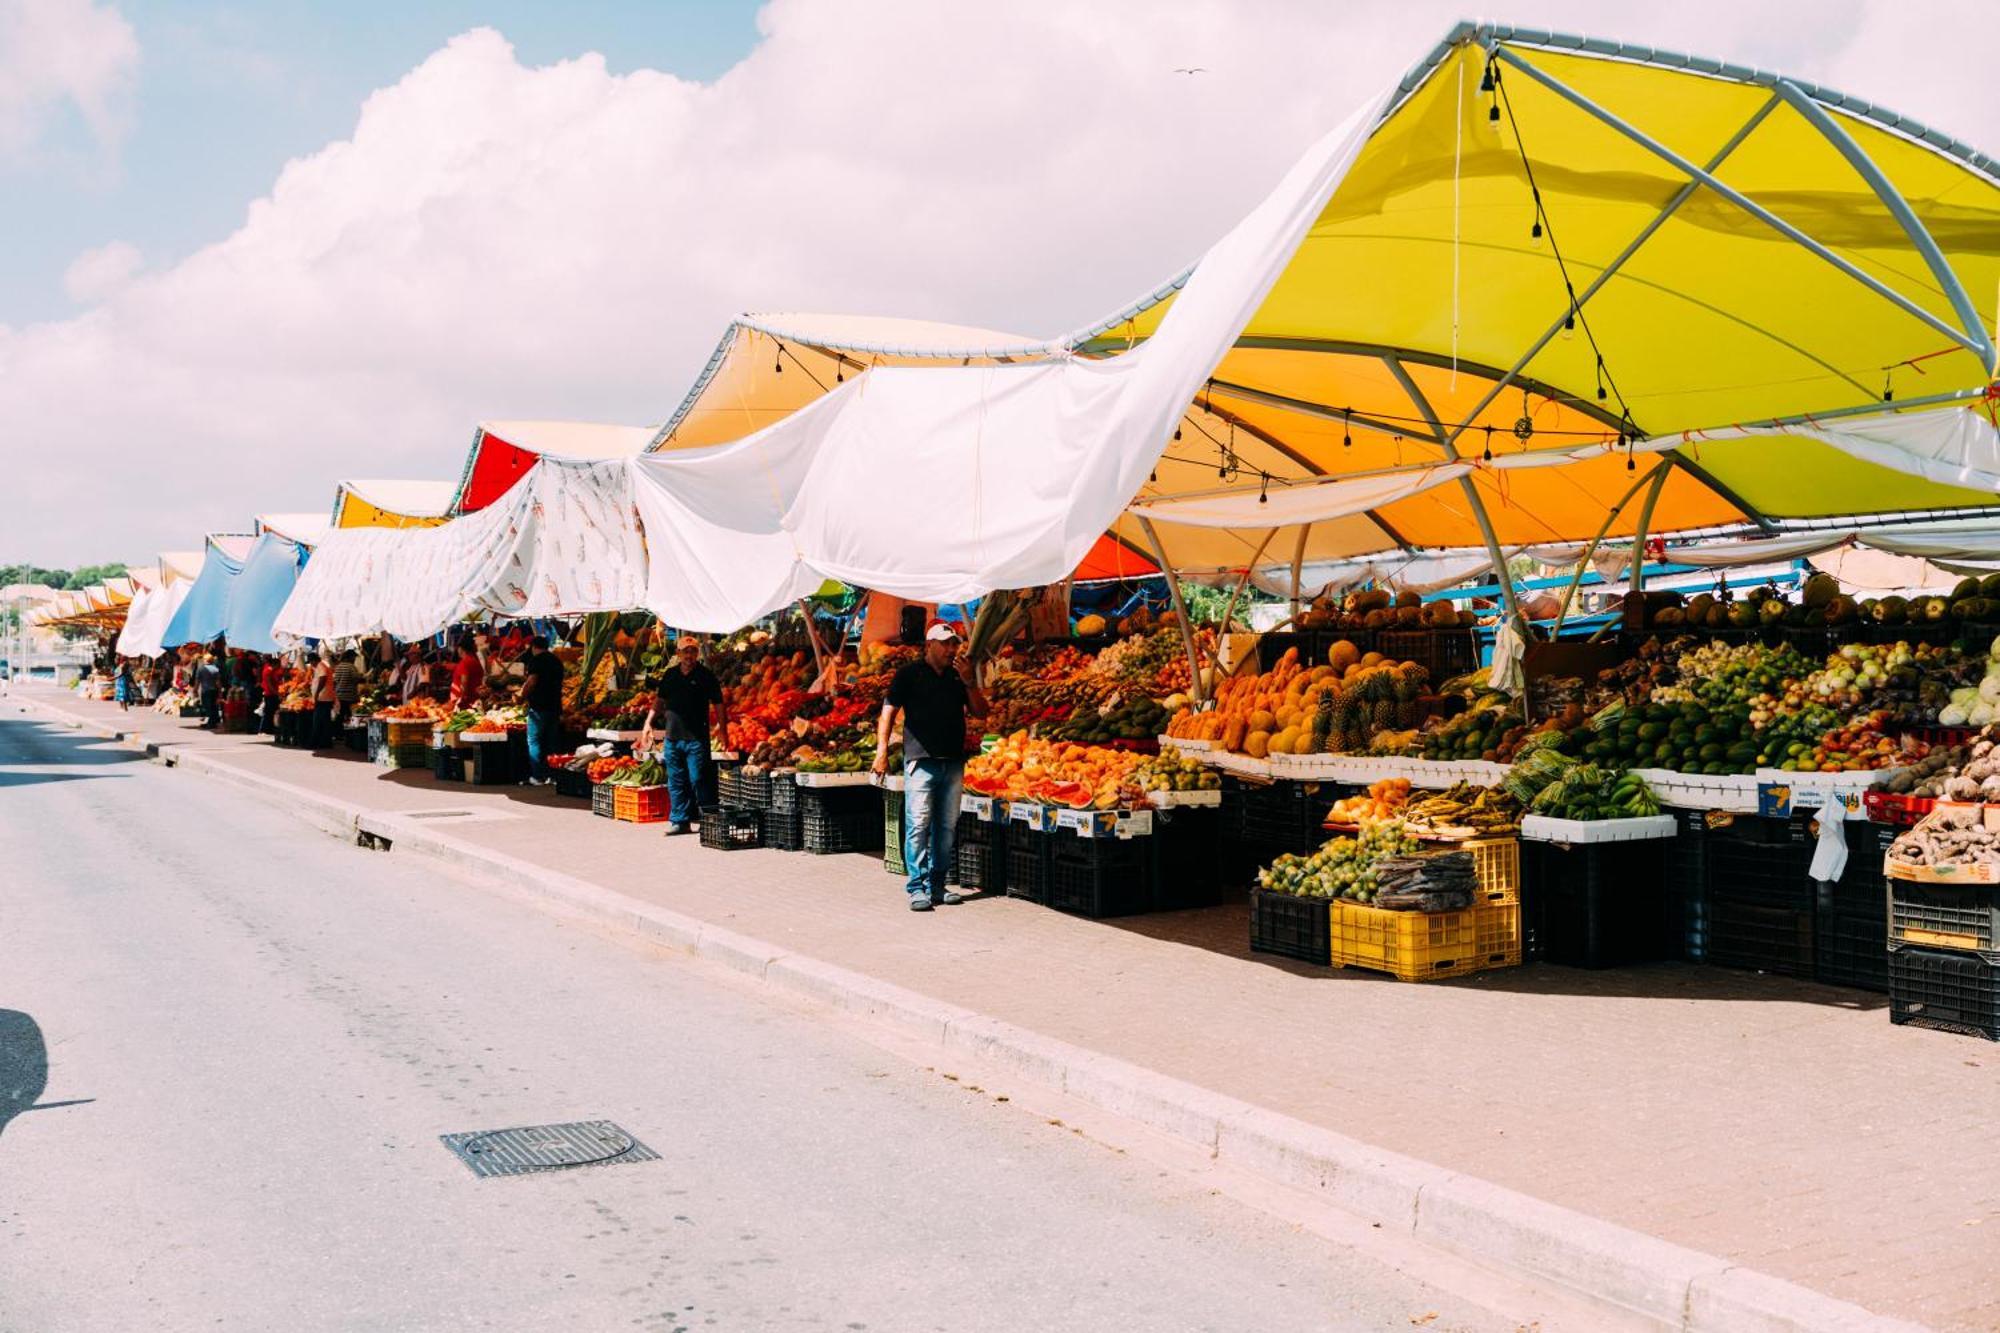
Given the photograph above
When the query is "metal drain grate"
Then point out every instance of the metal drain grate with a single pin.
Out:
(532, 1148)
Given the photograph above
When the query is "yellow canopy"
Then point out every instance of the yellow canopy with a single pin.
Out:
(391, 504)
(1550, 241)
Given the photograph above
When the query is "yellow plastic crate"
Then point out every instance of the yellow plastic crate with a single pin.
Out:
(1497, 930)
(1498, 861)
(1410, 946)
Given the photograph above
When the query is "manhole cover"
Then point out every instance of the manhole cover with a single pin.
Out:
(531, 1148)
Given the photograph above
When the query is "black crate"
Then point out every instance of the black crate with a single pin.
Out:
(1281, 817)
(743, 788)
(1189, 859)
(729, 829)
(1750, 932)
(786, 792)
(604, 800)
(1599, 905)
(839, 819)
(355, 738)
(1099, 877)
(1444, 653)
(1027, 859)
(1957, 992)
(493, 765)
(784, 830)
(1291, 927)
(1850, 948)
(404, 756)
(572, 782)
(979, 854)
(1960, 917)
(447, 765)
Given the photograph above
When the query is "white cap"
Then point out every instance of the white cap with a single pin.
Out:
(942, 632)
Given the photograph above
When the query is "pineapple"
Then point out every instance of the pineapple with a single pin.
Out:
(1406, 714)
(1322, 723)
(1383, 715)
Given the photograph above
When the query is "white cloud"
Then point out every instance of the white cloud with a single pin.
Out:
(64, 54)
(96, 274)
(501, 241)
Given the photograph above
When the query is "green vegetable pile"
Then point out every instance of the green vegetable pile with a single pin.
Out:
(1551, 783)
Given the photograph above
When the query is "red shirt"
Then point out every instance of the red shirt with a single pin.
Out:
(466, 678)
(272, 678)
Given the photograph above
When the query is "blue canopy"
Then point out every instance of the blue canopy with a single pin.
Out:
(205, 613)
(259, 590)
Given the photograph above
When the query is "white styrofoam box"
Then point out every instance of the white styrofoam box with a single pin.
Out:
(1307, 767)
(1185, 744)
(834, 779)
(481, 737)
(1582, 832)
(604, 734)
(894, 782)
(1736, 793)
(1166, 800)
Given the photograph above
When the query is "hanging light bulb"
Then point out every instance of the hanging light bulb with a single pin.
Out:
(1888, 387)
(1264, 490)
(839, 373)
(1177, 431)
(1486, 454)
(1486, 79)
(1346, 431)
(1535, 232)
(1600, 380)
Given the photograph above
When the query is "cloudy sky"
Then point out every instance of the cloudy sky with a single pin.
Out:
(252, 248)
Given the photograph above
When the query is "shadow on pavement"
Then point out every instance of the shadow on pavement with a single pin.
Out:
(1226, 930)
(24, 1064)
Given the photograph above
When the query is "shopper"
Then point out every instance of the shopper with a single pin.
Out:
(933, 694)
(273, 683)
(541, 693)
(252, 679)
(321, 692)
(468, 675)
(346, 686)
(683, 694)
(122, 686)
(208, 688)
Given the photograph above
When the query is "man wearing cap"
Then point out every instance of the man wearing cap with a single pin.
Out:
(934, 694)
(684, 693)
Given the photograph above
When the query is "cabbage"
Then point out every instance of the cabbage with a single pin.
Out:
(1965, 697)
(1953, 714)
(1989, 690)
(1980, 716)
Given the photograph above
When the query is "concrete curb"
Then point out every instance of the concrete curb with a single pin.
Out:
(1678, 1288)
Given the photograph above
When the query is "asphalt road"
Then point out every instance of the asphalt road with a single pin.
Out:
(243, 1039)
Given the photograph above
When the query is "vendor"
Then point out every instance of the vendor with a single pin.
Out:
(410, 676)
(683, 695)
(933, 694)
(468, 676)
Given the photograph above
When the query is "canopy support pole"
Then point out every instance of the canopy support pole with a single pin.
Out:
(1228, 611)
(1979, 346)
(1899, 208)
(1180, 610)
(1500, 570)
(1605, 275)
(1298, 565)
(1576, 581)
(1639, 532)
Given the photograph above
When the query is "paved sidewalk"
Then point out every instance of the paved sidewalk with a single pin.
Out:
(1783, 1125)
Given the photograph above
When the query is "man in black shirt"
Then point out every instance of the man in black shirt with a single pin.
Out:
(683, 694)
(541, 694)
(933, 694)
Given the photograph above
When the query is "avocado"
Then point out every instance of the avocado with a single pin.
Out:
(1990, 586)
(1966, 587)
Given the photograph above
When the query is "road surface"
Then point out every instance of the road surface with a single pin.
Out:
(243, 1039)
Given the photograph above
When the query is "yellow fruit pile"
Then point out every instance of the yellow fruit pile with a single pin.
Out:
(1292, 709)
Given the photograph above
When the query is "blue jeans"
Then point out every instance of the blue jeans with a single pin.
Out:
(686, 763)
(931, 791)
(544, 726)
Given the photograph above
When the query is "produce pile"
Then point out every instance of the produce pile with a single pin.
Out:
(1949, 836)
(1377, 608)
(1342, 867)
(1548, 782)
(1383, 800)
(1293, 709)
(1463, 811)
(1171, 770)
(1964, 772)
(1026, 768)
(1427, 880)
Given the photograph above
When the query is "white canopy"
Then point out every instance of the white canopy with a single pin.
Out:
(146, 620)
(944, 483)
(562, 541)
